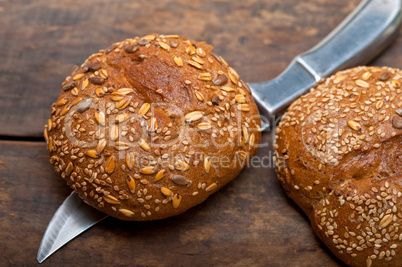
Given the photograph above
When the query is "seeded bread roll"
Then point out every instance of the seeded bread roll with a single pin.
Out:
(151, 126)
(338, 155)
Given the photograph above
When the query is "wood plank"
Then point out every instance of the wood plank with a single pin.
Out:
(248, 222)
(41, 40)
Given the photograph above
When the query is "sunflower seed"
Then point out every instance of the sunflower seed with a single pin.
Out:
(84, 105)
(74, 70)
(193, 116)
(215, 100)
(110, 165)
(220, 80)
(85, 68)
(143, 42)
(131, 48)
(95, 66)
(111, 48)
(181, 180)
(96, 80)
(69, 86)
(384, 76)
(399, 112)
(397, 122)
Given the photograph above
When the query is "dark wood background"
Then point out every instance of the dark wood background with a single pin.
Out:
(249, 222)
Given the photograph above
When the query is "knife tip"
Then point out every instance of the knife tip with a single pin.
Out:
(41, 258)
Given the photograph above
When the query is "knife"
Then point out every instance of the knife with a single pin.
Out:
(367, 31)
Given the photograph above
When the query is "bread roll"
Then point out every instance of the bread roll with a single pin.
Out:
(338, 155)
(151, 126)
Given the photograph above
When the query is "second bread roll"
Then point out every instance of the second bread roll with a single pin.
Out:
(339, 155)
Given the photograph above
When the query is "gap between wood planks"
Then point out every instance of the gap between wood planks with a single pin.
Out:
(22, 138)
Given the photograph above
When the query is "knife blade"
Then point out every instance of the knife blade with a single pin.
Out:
(71, 219)
(358, 39)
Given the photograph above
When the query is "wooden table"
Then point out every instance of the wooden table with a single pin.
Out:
(250, 222)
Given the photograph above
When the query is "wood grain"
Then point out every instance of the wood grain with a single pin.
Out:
(41, 40)
(249, 222)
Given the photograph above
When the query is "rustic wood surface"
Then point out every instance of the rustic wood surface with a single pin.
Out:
(249, 222)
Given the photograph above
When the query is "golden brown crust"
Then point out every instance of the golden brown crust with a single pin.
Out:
(338, 156)
(139, 128)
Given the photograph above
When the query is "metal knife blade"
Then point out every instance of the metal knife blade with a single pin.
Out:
(71, 219)
(358, 39)
(361, 36)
